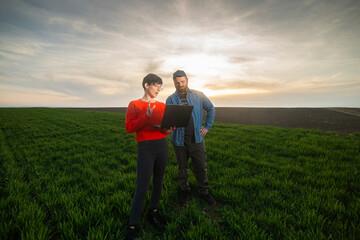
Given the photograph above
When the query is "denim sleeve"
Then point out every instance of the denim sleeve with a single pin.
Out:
(169, 100)
(210, 112)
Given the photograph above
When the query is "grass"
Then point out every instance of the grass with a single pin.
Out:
(70, 174)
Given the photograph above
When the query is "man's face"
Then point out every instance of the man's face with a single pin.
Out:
(181, 84)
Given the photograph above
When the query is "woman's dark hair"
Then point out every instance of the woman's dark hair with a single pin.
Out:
(151, 79)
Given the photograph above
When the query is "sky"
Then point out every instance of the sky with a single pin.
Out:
(240, 53)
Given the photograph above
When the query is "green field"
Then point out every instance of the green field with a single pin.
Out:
(70, 174)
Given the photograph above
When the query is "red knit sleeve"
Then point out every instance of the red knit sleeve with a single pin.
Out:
(135, 120)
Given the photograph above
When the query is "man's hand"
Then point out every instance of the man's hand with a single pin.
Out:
(149, 110)
(170, 129)
(203, 132)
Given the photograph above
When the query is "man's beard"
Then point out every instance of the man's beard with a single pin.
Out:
(184, 90)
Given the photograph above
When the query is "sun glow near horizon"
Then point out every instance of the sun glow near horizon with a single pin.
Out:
(202, 65)
(228, 92)
(204, 70)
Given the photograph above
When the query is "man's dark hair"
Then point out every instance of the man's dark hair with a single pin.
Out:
(179, 73)
(151, 79)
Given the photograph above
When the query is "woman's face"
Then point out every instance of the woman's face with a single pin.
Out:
(153, 90)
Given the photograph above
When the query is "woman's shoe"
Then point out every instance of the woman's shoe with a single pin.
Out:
(132, 232)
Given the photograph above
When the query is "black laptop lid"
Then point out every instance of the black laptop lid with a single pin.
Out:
(176, 115)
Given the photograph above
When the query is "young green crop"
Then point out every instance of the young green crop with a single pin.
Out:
(70, 174)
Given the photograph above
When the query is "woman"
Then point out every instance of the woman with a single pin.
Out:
(141, 117)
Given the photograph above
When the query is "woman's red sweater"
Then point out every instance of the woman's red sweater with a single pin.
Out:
(139, 122)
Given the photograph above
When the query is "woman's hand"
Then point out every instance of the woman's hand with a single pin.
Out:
(170, 129)
(149, 110)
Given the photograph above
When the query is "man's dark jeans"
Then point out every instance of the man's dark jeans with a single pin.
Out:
(198, 158)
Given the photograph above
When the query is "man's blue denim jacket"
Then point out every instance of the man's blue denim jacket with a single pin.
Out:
(200, 103)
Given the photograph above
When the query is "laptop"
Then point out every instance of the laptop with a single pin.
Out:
(176, 116)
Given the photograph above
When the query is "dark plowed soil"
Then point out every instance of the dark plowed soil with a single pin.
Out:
(309, 118)
(345, 120)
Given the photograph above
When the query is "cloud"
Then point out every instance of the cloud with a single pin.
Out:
(23, 97)
(269, 84)
(153, 65)
(19, 47)
(238, 60)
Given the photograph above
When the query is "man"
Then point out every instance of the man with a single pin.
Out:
(188, 141)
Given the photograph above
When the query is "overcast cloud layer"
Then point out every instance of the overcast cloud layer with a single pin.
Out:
(275, 53)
